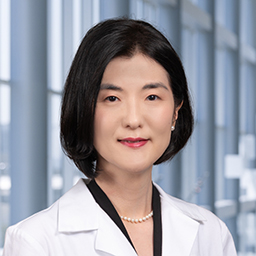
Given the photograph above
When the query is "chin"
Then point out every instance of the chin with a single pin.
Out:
(138, 168)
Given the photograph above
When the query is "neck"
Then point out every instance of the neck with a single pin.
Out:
(130, 195)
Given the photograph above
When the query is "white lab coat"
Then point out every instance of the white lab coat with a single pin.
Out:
(75, 225)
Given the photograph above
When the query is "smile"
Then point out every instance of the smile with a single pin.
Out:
(133, 142)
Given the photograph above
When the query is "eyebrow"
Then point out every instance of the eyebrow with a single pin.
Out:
(147, 86)
(154, 85)
(110, 87)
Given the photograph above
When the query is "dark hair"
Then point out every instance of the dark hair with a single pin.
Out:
(102, 43)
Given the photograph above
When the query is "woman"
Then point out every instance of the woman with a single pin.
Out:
(125, 108)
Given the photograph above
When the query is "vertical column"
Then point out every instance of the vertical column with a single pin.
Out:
(206, 126)
(28, 108)
(233, 76)
(233, 71)
(169, 20)
(70, 23)
(232, 187)
(198, 157)
(206, 115)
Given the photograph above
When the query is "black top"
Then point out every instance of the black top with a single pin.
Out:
(104, 202)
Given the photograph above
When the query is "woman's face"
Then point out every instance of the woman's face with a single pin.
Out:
(134, 114)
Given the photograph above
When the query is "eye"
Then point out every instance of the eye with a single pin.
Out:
(111, 98)
(152, 97)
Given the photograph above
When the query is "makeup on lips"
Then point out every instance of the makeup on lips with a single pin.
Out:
(133, 142)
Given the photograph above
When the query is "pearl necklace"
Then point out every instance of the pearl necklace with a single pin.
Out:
(137, 220)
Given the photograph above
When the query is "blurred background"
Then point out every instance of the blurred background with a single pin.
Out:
(216, 40)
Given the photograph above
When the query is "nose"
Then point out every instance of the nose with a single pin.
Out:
(133, 116)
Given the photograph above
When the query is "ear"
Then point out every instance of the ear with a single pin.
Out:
(176, 113)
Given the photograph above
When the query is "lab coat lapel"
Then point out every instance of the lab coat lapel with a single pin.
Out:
(110, 239)
(179, 227)
(179, 232)
(78, 212)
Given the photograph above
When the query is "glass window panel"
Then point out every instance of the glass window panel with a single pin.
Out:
(4, 39)
(247, 233)
(189, 58)
(247, 98)
(220, 12)
(231, 104)
(150, 13)
(231, 14)
(248, 19)
(77, 24)
(95, 11)
(194, 1)
(203, 4)
(220, 96)
(55, 129)
(189, 156)
(55, 154)
(139, 9)
(220, 88)
(65, 33)
(4, 105)
(5, 182)
(55, 45)
(227, 13)
(243, 99)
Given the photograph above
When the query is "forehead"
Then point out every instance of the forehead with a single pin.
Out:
(136, 69)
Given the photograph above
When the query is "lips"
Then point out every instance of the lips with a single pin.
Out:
(133, 142)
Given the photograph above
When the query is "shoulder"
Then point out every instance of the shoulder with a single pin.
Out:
(212, 232)
(40, 229)
(30, 235)
(47, 220)
(35, 228)
(209, 222)
(191, 210)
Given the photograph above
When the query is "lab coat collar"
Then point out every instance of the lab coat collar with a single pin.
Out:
(188, 209)
(78, 212)
(110, 239)
(181, 223)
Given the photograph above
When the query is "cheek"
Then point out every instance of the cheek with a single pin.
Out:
(98, 125)
(103, 124)
(164, 119)
(163, 123)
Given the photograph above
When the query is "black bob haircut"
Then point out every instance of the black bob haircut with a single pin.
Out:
(102, 43)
